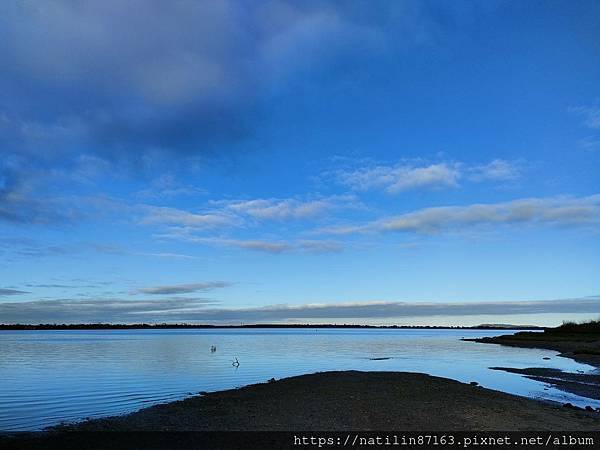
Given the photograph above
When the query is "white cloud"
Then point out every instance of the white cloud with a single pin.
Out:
(223, 214)
(591, 120)
(166, 255)
(555, 211)
(274, 209)
(207, 228)
(406, 176)
(183, 288)
(590, 115)
(254, 244)
(399, 178)
(287, 208)
(94, 310)
(263, 245)
(195, 310)
(320, 246)
(496, 170)
(166, 187)
(590, 143)
(176, 217)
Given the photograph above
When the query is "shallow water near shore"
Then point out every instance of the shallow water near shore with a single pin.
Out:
(53, 376)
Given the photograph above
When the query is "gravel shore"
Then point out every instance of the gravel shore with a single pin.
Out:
(353, 401)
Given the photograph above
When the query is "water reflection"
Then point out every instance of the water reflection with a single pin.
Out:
(53, 376)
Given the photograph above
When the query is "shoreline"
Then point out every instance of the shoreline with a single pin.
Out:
(354, 400)
(581, 348)
(350, 400)
(164, 326)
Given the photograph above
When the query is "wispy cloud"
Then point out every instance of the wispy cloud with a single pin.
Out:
(214, 227)
(321, 246)
(220, 214)
(407, 175)
(19, 202)
(288, 208)
(264, 246)
(589, 114)
(177, 217)
(95, 310)
(166, 255)
(267, 246)
(399, 178)
(19, 248)
(51, 286)
(556, 211)
(496, 170)
(167, 187)
(16, 248)
(183, 288)
(6, 292)
(399, 309)
(590, 143)
(196, 310)
(75, 283)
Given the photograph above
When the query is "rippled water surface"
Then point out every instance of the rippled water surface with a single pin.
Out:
(51, 376)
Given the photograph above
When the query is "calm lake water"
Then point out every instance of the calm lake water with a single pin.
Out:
(53, 376)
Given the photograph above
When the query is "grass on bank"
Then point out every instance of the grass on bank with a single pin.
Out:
(581, 338)
(589, 327)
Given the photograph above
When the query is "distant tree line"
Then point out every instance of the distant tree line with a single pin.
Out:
(589, 327)
(167, 326)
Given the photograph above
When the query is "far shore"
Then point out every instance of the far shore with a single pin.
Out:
(169, 326)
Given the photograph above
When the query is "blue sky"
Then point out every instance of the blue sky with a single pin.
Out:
(365, 162)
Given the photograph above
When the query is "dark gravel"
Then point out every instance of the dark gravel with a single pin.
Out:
(353, 401)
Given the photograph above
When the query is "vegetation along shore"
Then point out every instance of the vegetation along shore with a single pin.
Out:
(578, 341)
